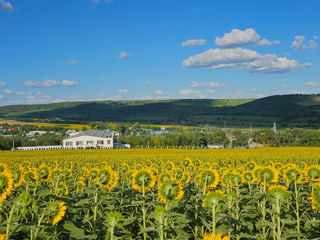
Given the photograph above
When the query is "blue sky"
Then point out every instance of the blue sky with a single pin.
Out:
(72, 50)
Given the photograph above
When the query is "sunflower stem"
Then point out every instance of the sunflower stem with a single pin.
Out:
(213, 218)
(38, 226)
(278, 219)
(9, 221)
(297, 206)
(143, 211)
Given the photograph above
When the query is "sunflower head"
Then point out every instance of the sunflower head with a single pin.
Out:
(315, 197)
(251, 165)
(56, 211)
(143, 180)
(313, 173)
(44, 173)
(235, 179)
(165, 176)
(186, 162)
(6, 184)
(213, 198)
(169, 191)
(108, 178)
(79, 186)
(248, 177)
(268, 175)
(209, 178)
(278, 192)
(215, 236)
(292, 174)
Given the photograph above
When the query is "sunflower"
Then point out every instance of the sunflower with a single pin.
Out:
(225, 178)
(30, 176)
(268, 175)
(6, 184)
(143, 180)
(165, 176)
(108, 178)
(313, 173)
(169, 165)
(185, 178)
(278, 193)
(315, 197)
(82, 172)
(292, 174)
(17, 176)
(56, 211)
(170, 191)
(213, 236)
(251, 165)
(79, 186)
(235, 179)
(248, 177)
(213, 198)
(3, 167)
(177, 173)
(186, 162)
(209, 178)
(44, 173)
(94, 174)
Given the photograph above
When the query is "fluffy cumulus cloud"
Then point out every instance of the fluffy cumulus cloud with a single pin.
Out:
(239, 58)
(1, 96)
(237, 38)
(124, 54)
(194, 42)
(6, 6)
(122, 90)
(50, 83)
(299, 43)
(3, 84)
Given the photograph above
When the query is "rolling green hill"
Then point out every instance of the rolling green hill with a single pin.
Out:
(286, 110)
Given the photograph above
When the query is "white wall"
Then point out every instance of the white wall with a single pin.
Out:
(107, 142)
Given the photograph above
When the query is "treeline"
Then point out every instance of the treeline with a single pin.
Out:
(287, 137)
(186, 138)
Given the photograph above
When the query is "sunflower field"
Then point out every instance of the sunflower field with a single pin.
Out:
(269, 193)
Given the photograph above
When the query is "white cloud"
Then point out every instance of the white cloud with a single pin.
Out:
(286, 86)
(237, 38)
(147, 82)
(210, 90)
(6, 6)
(299, 43)
(3, 84)
(313, 84)
(68, 83)
(40, 93)
(50, 83)
(7, 91)
(159, 92)
(124, 54)
(215, 85)
(272, 64)
(264, 42)
(194, 42)
(30, 97)
(1, 96)
(115, 98)
(95, 1)
(238, 58)
(220, 57)
(313, 44)
(122, 90)
(194, 85)
(254, 90)
(191, 92)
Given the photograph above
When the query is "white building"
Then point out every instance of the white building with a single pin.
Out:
(90, 139)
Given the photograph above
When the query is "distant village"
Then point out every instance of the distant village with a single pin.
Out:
(134, 135)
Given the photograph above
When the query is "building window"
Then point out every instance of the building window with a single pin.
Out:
(79, 143)
(100, 142)
(90, 143)
(108, 141)
(69, 144)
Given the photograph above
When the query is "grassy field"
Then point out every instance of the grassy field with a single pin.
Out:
(286, 110)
